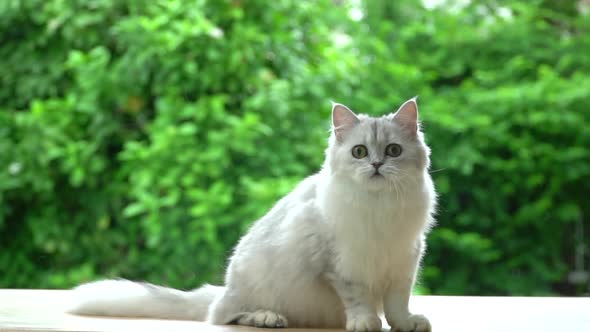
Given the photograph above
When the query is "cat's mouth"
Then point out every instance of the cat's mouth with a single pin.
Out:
(376, 175)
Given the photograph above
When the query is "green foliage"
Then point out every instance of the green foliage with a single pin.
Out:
(141, 138)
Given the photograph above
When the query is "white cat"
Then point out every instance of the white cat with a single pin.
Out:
(344, 245)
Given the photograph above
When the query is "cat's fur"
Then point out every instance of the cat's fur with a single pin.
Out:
(342, 246)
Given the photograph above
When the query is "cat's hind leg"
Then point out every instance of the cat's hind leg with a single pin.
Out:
(261, 318)
(258, 318)
(226, 310)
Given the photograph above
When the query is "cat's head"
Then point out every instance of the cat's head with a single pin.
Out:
(377, 153)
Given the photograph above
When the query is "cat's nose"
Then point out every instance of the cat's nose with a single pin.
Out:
(377, 164)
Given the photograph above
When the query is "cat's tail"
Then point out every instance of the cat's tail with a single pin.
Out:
(124, 298)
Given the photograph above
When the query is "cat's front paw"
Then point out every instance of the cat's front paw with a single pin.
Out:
(413, 323)
(363, 323)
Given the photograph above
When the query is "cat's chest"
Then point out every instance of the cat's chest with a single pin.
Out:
(386, 214)
(374, 240)
(379, 234)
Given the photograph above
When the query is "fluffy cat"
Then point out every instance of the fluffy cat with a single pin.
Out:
(343, 246)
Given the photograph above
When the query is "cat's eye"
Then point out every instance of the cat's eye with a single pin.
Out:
(393, 150)
(359, 151)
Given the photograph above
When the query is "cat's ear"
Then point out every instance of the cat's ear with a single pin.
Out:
(343, 119)
(407, 117)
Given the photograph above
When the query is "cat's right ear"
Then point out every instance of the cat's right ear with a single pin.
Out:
(343, 119)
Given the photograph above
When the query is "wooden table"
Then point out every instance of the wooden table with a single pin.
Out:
(43, 310)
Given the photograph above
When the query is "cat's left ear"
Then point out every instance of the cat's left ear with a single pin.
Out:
(343, 119)
(407, 117)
